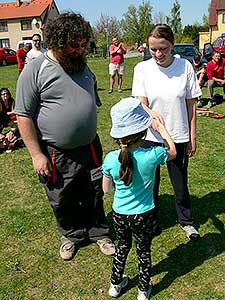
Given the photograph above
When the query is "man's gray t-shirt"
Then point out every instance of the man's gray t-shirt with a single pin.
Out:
(63, 106)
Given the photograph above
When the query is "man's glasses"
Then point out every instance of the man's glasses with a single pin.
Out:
(36, 41)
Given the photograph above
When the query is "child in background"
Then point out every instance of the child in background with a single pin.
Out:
(131, 170)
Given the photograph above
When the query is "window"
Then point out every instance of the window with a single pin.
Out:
(223, 18)
(4, 43)
(9, 51)
(26, 24)
(3, 26)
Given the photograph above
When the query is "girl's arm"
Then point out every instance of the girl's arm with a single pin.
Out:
(171, 149)
(107, 184)
(154, 115)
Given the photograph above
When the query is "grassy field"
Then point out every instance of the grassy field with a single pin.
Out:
(30, 266)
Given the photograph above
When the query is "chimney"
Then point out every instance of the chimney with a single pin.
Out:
(18, 3)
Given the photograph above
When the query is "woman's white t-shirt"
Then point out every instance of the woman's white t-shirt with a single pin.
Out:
(167, 90)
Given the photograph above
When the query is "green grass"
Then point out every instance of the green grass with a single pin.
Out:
(30, 266)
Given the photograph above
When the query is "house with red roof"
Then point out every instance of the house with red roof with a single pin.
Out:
(20, 19)
(216, 23)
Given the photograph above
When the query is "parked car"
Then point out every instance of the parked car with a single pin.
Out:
(219, 45)
(207, 51)
(7, 56)
(184, 50)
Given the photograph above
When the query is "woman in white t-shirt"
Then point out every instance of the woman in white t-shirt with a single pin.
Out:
(167, 86)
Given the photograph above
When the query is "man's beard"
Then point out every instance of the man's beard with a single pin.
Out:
(71, 64)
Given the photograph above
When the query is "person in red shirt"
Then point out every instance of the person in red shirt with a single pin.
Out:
(215, 74)
(21, 54)
(116, 66)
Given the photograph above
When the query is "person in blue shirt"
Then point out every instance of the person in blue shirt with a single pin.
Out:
(130, 171)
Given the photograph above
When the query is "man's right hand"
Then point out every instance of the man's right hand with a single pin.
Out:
(42, 165)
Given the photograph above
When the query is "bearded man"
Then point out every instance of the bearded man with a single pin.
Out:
(56, 107)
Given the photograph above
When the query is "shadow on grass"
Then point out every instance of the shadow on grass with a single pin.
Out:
(202, 209)
(181, 260)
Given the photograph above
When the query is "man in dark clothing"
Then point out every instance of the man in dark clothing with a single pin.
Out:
(57, 119)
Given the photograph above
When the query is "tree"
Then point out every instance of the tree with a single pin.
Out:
(175, 21)
(191, 34)
(105, 29)
(159, 18)
(205, 18)
(137, 23)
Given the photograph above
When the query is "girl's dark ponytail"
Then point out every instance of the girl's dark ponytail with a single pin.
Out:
(126, 165)
(125, 156)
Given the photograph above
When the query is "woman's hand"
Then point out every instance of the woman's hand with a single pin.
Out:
(191, 147)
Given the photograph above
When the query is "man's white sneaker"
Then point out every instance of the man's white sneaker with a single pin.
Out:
(144, 295)
(115, 290)
(191, 232)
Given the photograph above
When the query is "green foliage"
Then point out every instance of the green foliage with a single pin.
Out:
(192, 31)
(205, 18)
(137, 23)
(105, 29)
(175, 21)
(30, 266)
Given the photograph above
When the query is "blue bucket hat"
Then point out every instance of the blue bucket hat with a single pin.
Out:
(128, 117)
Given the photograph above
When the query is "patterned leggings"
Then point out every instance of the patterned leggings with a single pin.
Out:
(141, 226)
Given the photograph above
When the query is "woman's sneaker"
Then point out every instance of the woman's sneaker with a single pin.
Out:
(115, 290)
(191, 232)
(144, 295)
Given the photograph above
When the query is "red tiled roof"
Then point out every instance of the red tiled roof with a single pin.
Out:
(34, 8)
(215, 5)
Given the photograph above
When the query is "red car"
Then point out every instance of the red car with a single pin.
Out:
(7, 56)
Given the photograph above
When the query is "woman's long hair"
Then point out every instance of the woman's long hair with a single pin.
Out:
(125, 156)
(9, 106)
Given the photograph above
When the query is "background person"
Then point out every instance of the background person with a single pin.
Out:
(8, 103)
(200, 70)
(8, 139)
(168, 88)
(56, 108)
(131, 170)
(21, 54)
(215, 74)
(116, 65)
(36, 50)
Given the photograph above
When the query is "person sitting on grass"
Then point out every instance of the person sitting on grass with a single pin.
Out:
(215, 73)
(132, 171)
(200, 70)
(7, 102)
(7, 140)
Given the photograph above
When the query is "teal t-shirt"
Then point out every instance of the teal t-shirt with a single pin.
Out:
(137, 197)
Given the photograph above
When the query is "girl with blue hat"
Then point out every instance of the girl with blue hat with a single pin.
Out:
(131, 172)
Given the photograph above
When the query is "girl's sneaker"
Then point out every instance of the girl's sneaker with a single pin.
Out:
(115, 290)
(144, 295)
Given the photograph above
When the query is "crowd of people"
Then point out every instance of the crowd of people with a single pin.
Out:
(212, 73)
(56, 90)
